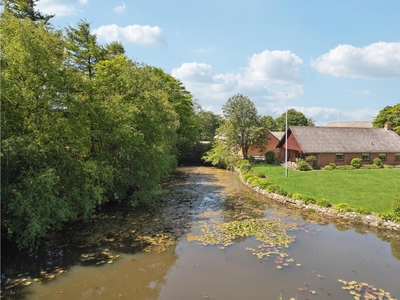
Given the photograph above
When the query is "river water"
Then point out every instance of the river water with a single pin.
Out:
(211, 238)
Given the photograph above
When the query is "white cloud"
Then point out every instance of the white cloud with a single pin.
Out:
(267, 78)
(120, 9)
(61, 8)
(323, 115)
(136, 34)
(378, 60)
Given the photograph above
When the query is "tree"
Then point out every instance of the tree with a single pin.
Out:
(389, 114)
(269, 122)
(26, 9)
(243, 127)
(295, 118)
(208, 124)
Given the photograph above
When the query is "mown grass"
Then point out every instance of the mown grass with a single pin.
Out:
(371, 189)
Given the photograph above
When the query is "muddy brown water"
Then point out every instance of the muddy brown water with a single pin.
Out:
(161, 253)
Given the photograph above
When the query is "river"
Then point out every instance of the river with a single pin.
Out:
(210, 238)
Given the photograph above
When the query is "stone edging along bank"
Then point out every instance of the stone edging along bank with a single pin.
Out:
(352, 217)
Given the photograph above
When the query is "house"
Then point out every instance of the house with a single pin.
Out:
(273, 139)
(341, 144)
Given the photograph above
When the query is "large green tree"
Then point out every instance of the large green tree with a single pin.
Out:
(389, 114)
(295, 118)
(243, 127)
(208, 124)
(25, 9)
(82, 125)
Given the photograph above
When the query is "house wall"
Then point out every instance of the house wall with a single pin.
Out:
(271, 146)
(325, 158)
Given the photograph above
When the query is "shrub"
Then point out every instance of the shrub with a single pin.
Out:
(396, 205)
(323, 203)
(311, 159)
(269, 157)
(264, 184)
(309, 200)
(246, 176)
(362, 210)
(342, 207)
(245, 168)
(272, 188)
(356, 162)
(369, 167)
(257, 182)
(290, 195)
(390, 216)
(378, 162)
(241, 162)
(251, 159)
(251, 178)
(281, 191)
(278, 161)
(297, 196)
(303, 166)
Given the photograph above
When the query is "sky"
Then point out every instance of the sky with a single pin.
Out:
(336, 60)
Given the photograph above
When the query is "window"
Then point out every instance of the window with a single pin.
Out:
(365, 156)
(382, 156)
(339, 156)
(397, 156)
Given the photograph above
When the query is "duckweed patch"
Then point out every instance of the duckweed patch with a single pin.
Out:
(272, 233)
(364, 291)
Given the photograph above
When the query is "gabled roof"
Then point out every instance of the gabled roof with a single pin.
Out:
(359, 124)
(344, 139)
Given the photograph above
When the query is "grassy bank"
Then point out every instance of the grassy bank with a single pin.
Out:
(371, 189)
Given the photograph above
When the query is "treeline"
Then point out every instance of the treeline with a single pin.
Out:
(82, 125)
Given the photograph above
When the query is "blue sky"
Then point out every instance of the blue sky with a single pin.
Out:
(335, 60)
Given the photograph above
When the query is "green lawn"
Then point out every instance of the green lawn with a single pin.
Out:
(370, 189)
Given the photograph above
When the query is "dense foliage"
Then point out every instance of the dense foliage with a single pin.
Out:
(82, 125)
(389, 114)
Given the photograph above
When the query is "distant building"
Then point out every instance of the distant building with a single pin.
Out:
(357, 124)
(340, 145)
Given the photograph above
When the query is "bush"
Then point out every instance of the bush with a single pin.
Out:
(323, 203)
(309, 200)
(389, 216)
(251, 178)
(251, 159)
(311, 159)
(281, 191)
(378, 162)
(297, 196)
(264, 184)
(342, 207)
(369, 167)
(241, 162)
(245, 168)
(303, 166)
(278, 161)
(362, 210)
(269, 157)
(272, 188)
(246, 176)
(356, 162)
(396, 205)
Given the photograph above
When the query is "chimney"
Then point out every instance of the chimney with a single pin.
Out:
(388, 126)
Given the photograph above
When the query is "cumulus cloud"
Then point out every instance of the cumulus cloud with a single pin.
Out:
(325, 115)
(120, 9)
(378, 60)
(268, 77)
(136, 34)
(61, 8)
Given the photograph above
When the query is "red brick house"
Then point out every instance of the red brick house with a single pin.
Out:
(273, 140)
(341, 144)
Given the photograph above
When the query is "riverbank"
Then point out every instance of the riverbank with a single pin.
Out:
(372, 220)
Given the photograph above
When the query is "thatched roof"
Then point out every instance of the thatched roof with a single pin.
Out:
(358, 124)
(344, 139)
